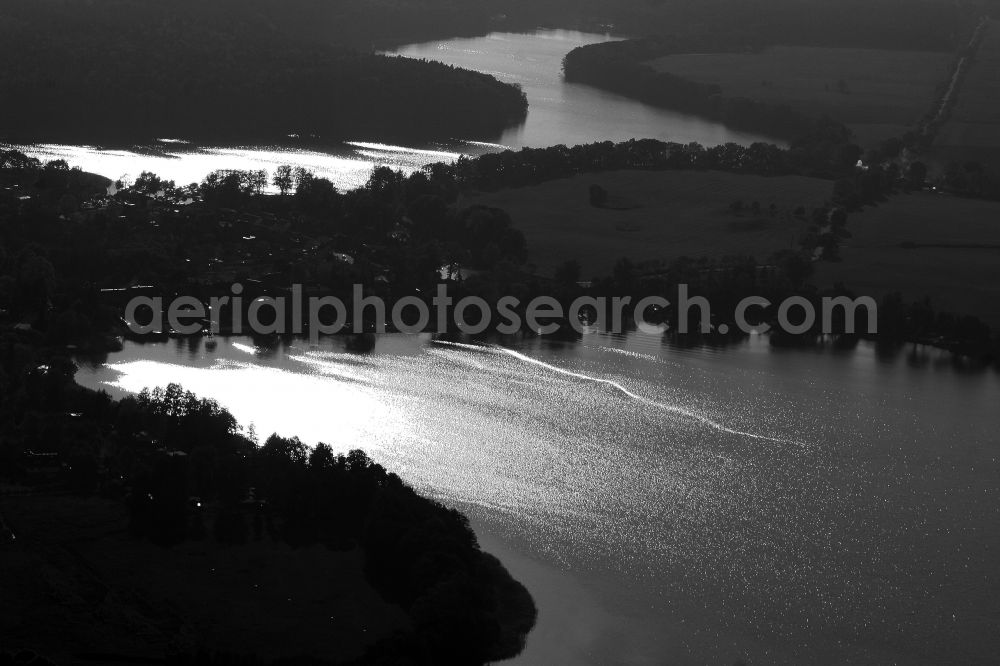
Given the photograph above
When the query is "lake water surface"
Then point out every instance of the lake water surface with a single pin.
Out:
(663, 506)
(668, 506)
(559, 113)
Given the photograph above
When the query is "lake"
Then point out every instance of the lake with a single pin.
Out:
(559, 113)
(663, 505)
(666, 505)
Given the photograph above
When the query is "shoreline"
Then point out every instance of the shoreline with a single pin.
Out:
(577, 623)
(582, 614)
(568, 613)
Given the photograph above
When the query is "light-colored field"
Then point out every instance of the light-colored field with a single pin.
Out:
(973, 131)
(673, 214)
(884, 93)
(951, 253)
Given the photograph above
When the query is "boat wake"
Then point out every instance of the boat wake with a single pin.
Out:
(673, 409)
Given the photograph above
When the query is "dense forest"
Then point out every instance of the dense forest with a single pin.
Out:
(463, 606)
(157, 450)
(121, 71)
(923, 24)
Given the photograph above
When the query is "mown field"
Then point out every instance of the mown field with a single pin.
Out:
(664, 215)
(973, 130)
(938, 246)
(877, 93)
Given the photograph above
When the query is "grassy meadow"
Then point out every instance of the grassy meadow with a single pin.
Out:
(938, 246)
(877, 93)
(656, 215)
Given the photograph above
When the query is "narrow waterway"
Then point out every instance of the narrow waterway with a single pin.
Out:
(559, 113)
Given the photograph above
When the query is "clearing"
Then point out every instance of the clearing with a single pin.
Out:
(658, 215)
(924, 244)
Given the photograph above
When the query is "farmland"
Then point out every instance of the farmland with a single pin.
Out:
(938, 246)
(656, 215)
(877, 93)
(973, 130)
(922, 244)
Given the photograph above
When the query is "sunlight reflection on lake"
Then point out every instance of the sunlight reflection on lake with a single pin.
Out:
(616, 463)
(559, 113)
(347, 168)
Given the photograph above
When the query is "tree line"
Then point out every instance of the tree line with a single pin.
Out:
(400, 230)
(217, 72)
(624, 67)
(722, 26)
(159, 450)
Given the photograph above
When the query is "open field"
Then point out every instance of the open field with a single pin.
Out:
(883, 94)
(973, 131)
(75, 584)
(951, 253)
(669, 214)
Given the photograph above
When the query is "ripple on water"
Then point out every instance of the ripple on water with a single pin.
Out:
(569, 450)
